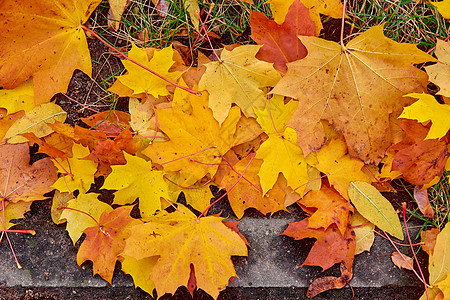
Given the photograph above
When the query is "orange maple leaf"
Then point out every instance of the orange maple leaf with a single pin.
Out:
(105, 241)
(43, 39)
(280, 43)
(330, 208)
(331, 246)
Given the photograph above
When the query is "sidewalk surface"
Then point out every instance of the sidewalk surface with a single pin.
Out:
(271, 271)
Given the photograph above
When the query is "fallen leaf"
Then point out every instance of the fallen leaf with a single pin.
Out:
(331, 247)
(364, 235)
(59, 200)
(44, 39)
(35, 121)
(137, 179)
(326, 283)
(280, 154)
(443, 7)
(355, 87)
(84, 210)
(280, 42)
(247, 192)
(439, 261)
(439, 72)
(338, 166)
(180, 240)
(402, 261)
(14, 211)
(105, 241)
(428, 109)
(330, 208)
(141, 80)
(419, 160)
(110, 121)
(196, 140)
(421, 197)
(20, 181)
(81, 174)
(428, 238)
(332, 8)
(194, 11)
(375, 208)
(237, 78)
(140, 270)
(117, 7)
(20, 98)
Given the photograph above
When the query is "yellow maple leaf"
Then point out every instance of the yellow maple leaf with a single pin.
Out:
(20, 98)
(142, 81)
(140, 270)
(332, 8)
(237, 78)
(339, 167)
(282, 155)
(196, 140)
(137, 179)
(77, 221)
(428, 109)
(439, 267)
(355, 87)
(81, 171)
(440, 73)
(43, 39)
(180, 239)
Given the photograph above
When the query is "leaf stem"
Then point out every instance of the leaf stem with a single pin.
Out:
(197, 93)
(229, 190)
(412, 249)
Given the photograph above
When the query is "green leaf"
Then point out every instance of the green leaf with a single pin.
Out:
(374, 207)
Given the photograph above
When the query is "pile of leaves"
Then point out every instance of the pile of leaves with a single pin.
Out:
(292, 119)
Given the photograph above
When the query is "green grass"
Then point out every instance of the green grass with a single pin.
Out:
(143, 25)
(404, 20)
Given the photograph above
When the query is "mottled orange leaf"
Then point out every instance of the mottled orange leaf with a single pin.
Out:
(43, 39)
(20, 181)
(419, 160)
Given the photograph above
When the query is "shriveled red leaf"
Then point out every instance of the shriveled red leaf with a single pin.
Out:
(326, 283)
(421, 197)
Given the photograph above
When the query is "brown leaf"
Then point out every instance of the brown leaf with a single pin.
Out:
(326, 283)
(402, 261)
(429, 239)
(421, 197)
